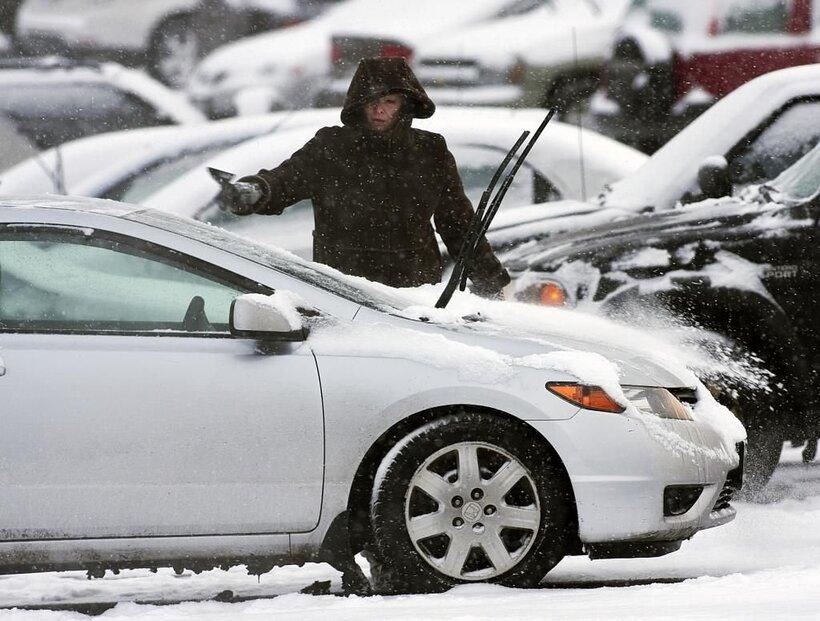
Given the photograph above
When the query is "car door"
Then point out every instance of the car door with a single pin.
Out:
(128, 408)
(777, 143)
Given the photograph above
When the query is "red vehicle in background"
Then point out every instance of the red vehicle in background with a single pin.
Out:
(672, 59)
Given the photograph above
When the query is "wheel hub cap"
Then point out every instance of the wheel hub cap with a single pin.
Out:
(482, 538)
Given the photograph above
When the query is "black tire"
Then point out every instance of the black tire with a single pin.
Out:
(764, 444)
(401, 568)
(176, 31)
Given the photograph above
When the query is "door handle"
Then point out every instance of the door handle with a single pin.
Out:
(2, 368)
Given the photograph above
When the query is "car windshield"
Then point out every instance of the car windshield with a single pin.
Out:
(802, 181)
(377, 297)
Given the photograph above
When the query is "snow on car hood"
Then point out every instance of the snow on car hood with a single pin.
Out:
(495, 341)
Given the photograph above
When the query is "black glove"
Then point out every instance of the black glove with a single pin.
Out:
(241, 197)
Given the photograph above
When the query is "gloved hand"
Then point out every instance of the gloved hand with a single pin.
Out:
(491, 292)
(241, 197)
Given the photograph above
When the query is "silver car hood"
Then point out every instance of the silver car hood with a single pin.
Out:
(636, 366)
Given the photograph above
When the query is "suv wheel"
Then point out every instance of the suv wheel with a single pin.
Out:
(175, 51)
(467, 498)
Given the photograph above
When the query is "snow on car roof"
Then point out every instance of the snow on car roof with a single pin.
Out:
(171, 103)
(544, 34)
(558, 145)
(92, 164)
(73, 203)
(672, 170)
(307, 45)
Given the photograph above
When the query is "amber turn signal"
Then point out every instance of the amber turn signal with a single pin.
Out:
(587, 397)
(552, 294)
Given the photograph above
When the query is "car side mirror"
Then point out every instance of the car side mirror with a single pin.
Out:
(266, 317)
(713, 177)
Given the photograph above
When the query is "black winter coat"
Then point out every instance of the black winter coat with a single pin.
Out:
(374, 195)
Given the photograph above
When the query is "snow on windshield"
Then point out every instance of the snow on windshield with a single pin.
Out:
(801, 181)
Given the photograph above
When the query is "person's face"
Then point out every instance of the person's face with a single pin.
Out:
(382, 113)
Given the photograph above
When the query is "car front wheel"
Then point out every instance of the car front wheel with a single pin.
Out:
(468, 498)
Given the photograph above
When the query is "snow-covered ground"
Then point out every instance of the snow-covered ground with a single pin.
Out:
(764, 565)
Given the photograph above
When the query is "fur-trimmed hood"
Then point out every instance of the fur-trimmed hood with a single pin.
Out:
(376, 77)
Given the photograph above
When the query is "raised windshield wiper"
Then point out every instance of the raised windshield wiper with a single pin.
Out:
(482, 219)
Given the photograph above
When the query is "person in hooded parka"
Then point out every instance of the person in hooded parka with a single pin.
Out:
(376, 184)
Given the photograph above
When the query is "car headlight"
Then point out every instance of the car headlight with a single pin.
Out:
(545, 292)
(648, 399)
(657, 401)
(587, 397)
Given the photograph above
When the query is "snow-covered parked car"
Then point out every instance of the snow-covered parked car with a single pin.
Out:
(54, 100)
(748, 137)
(744, 267)
(210, 401)
(170, 36)
(290, 68)
(550, 54)
(478, 138)
(671, 60)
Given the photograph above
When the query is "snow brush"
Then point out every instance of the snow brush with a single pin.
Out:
(483, 216)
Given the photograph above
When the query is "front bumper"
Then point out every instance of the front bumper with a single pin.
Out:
(619, 467)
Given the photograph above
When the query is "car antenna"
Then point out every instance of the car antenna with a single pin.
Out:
(578, 121)
(481, 221)
(59, 171)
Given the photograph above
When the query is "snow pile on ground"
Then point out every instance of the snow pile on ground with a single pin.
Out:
(764, 565)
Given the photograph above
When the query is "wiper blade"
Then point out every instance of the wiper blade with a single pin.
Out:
(483, 217)
(473, 231)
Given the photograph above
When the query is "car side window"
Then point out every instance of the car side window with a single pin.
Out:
(477, 164)
(786, 139)
(762, 16)
(81, 283)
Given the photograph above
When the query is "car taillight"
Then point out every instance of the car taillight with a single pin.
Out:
(395, 50)
(335, 52)
(587, 397)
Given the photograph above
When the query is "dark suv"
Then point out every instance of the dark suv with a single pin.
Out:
(671, 60)
(745, 267)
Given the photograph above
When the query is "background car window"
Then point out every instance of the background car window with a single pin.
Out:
(74, 285)
(790, 136)
(476, 166)
(760, 16)
(53, 113)
(143, 184)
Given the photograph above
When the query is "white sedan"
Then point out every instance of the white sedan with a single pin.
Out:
(176, 395)
(567, 163)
